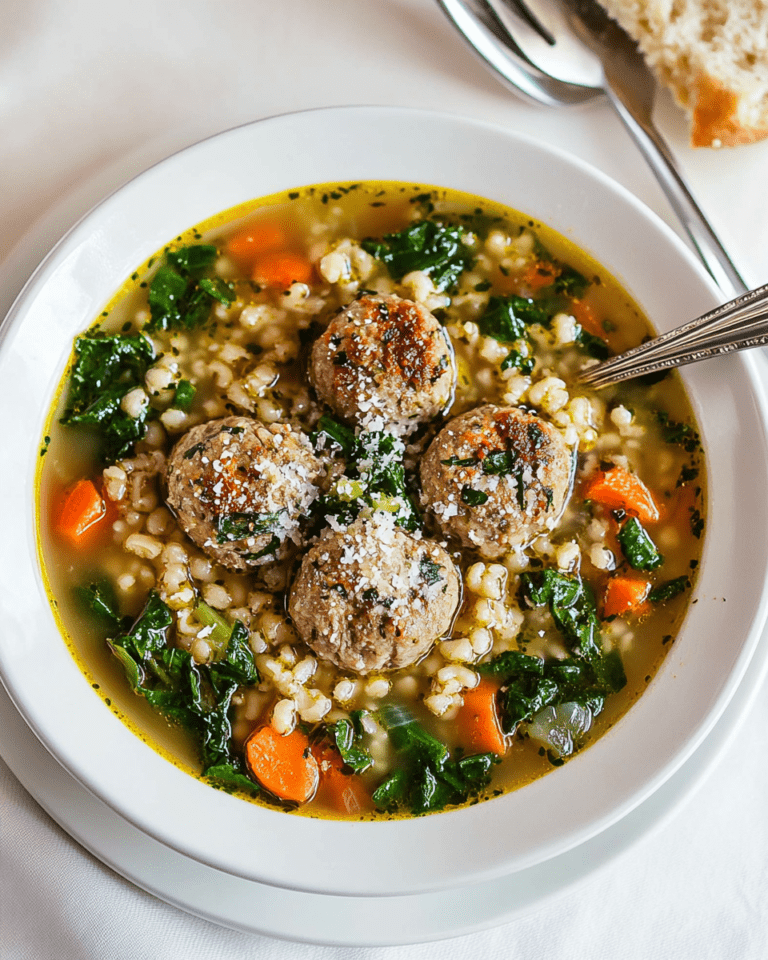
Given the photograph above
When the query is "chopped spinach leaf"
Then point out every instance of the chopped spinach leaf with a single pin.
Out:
(97, 597)
(669, 589)
(430, 779)
(571, 282)
(239, 526)
(270, 548)
(192, 260)
(392, 791)
(433, 247)
(338, 433)
(637, 546)
(430, 571)
(197, 696)
(106, 368)
(185, 394)
(500, 462)
(673, 431)
(506, 318)
(595, 346)
(473, 498)
(572, 607)
(180, 297)
(374, 478)
(522, 359)
(347, 741)
(529, 684)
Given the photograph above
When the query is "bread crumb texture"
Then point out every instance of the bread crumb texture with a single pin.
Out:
(713, 55)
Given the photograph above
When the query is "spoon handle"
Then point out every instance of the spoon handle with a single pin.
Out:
(740, 324)
(660, 159)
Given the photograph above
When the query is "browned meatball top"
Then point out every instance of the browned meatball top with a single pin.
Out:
(384, 362)
(496, 477)
(373, 597)
(241, 489)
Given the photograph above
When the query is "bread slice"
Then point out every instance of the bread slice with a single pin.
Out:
(713, 55)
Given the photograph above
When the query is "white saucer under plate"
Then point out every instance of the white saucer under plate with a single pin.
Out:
(343, 921)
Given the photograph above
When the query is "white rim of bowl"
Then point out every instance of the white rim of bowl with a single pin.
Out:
(395, 857)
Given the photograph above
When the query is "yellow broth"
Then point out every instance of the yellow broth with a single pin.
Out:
(250, 358)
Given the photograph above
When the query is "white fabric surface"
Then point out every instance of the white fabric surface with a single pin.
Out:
(92, 92)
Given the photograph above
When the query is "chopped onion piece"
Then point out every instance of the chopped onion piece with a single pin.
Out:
(560, 728)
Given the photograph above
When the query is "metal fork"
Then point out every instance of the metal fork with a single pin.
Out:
(622, 77)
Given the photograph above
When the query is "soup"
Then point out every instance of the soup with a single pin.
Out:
(327, 519)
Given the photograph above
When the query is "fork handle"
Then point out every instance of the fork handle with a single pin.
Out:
(659, 157)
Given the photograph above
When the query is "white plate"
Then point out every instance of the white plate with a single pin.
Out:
(554, 814)
(255, 908)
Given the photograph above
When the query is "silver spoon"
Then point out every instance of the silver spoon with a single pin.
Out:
(559, 33)
(740, 324)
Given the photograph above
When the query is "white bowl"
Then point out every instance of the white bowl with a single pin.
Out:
(555, 813)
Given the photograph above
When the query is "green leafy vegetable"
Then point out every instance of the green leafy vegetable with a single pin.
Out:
(106, 368)
(197, 696)
(238, 526)
(521, 359)
(430, 779)
(669, 589)
(506, 318)
(271, 547)
(571, 282)
(529, 684)
(374, 477)
(572, 606)
(97, 597)
(595, 346)
(433, 247)
(338, 433)
(637, 546)
(430, 571)
(185, 394)
(180, 296)
(673, 431)
(500, 462)
(347, 741)
(473, 498)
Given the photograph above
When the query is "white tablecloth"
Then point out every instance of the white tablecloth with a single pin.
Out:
(92, 92)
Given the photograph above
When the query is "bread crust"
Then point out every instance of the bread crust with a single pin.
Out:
(712, 55)
(715, 117)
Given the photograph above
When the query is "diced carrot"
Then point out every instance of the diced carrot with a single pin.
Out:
(619, 489)
(683, 506)
(585, 316)
(246, 245)
(341, 792)
(281, 269)
(539, 274)
(80, 511)
(477, 721)
(625, 595)
(283, 765)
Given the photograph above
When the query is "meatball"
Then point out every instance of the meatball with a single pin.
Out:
(384, 361)
(496, 477)
(373, 597)
(240, 489)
